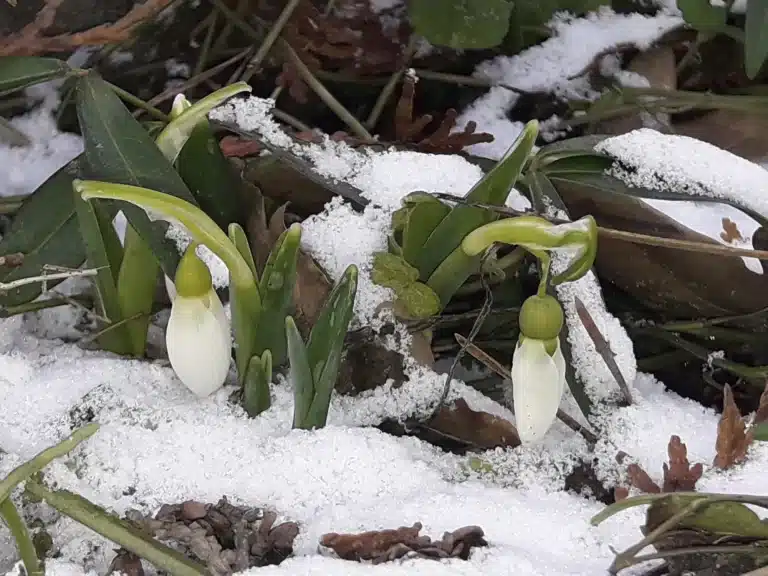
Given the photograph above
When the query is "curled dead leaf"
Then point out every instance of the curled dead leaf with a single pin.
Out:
(733, 439)
(479, 429)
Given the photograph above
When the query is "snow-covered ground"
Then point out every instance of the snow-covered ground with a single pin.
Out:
(160, 444)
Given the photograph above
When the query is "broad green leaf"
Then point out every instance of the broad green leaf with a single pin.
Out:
(451, 274)
(492, 189)
(755, 36)
(326, 343)
(136, 285)
(211, 177)
(461, 24)
(18, 72)
(301, 375)
(45, 230)
(117, 339)
(392, 271)
(421, 221)
(28, 469)
(118, 531)
(256, 397)
(702, 15)
(175, 135)
(119, 150)
(419, 300)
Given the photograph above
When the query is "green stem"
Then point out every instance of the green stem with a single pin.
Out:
(138, 102)
(20, 534)
(545, 262)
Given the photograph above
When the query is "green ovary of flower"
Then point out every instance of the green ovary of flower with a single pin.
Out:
(541, 318)
(193, 279)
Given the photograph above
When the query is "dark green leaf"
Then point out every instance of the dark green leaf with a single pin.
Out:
(211, 177)
(91, 223)
(755, 36)
(119, 150)
(45, 230)
(118, 531)
(256, 397)
(702, 15)
(17, 72)
(461, 24)
(421, 221)
(392, 271)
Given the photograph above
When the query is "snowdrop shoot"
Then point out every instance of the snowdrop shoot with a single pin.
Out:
(198, 334)
(538, 367)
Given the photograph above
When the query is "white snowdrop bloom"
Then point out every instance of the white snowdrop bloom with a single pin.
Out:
(538, 368)
(198, 332)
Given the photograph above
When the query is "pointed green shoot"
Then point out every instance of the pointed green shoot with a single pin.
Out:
(256, 386)
(326, 344)
(172, 139)
(276, 289)
(246, 306)
(301, 375)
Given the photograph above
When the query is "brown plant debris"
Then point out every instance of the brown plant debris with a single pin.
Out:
(479, 429)
(349, 40)
(387, 545)
(225, 537)
(761, 415)
(679, 475)
(733, 438)
(410, 130)
(31, 40)
(730, 232)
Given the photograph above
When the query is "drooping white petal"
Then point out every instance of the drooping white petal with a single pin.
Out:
(199, 342)
(538, 383)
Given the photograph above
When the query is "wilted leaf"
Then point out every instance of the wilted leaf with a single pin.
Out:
(393, 271)
(418, 300)
(732, 438)
(679, 476)
(461, 24)
(478, 429)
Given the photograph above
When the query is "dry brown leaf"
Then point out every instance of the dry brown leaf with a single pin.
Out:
(679, 476)
(478, 429)
(640, 479)
(386, 545)
(733, 440)
(730, 231)
(237, 147)
(620, 493)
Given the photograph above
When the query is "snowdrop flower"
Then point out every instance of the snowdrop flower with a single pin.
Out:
(198, 334)
(538, 367)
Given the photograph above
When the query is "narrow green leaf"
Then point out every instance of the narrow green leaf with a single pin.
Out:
(492, 189)
(421, 221)
(276, 289)
(461, 24)
(590, 163)
(245, 322)
(175, 135)
(119, 150)
(136, 285)
(755, 37)
(116, 340)
(256, 397)
(118, 531)
(45, 231)
(211, 177)
(326, 343)
(18, 72)
(28, 469)
(18, 529)
(301, 375)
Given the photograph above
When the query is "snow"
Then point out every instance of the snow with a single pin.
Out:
(686, 165)
(550, 66)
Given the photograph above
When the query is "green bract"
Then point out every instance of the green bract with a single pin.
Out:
(193, 279)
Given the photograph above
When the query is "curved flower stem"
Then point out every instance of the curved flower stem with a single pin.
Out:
(545, 261)
(20, 534)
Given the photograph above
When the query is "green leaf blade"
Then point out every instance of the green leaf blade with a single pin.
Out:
(301, 376)
(755, 37)
(136, 285)
(461, 24)
(256, 397)
(19, 72)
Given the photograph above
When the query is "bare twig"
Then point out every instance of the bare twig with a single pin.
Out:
(43, 278)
